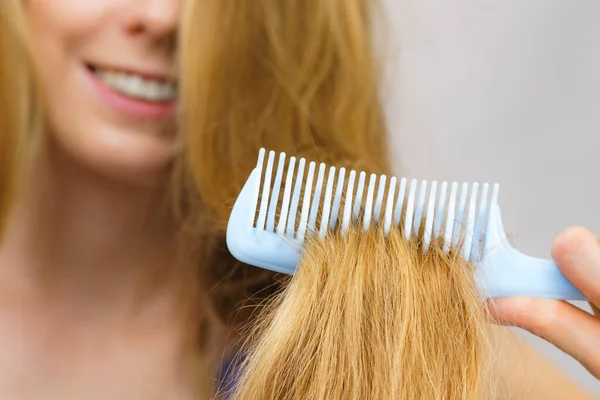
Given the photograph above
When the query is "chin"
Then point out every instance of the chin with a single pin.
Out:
(136, 175)
(132, 158)
(143, 166)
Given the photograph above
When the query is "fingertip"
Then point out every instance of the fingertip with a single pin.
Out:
(570, 242)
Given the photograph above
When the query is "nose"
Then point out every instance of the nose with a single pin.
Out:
(157, 18)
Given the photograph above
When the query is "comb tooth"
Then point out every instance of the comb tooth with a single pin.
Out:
(400, 202)
(419, 206)
(482, 210)
(348, 203)
(264, 202)
(312, 221)
(491, 204)
(450, 217)
(429, 216)
(458, 221)
(440, 209)
(275, 194)
(335, 208)
(369, 202)
(387, 219)
(410, 208)
(291, 223)
(277, 183)
(379, 200)
(359, 194)
(495, 194)
(259, 168)
(470, 223)
(285, 205)
(327, 203)
(306, 202)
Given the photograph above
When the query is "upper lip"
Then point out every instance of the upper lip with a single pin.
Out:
(144, 73)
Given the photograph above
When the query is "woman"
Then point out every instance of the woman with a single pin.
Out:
(104, 294)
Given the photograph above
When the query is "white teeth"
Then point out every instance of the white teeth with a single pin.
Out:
(137, 87)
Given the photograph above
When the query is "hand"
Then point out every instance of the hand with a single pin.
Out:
(575, 331)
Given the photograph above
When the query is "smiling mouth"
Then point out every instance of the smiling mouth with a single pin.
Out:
(136, 86)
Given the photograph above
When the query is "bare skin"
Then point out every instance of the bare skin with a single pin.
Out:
(85, 332)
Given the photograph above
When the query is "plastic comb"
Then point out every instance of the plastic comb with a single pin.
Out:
(280, 204)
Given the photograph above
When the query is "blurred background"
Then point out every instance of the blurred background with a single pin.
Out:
(505, 91)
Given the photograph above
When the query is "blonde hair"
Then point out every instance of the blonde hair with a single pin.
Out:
(370, 316)
(9, 119)
(20, 102)
(299, 76)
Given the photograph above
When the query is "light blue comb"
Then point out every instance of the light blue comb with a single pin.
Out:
(469, 221)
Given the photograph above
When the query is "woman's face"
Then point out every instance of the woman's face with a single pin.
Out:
(109, 74)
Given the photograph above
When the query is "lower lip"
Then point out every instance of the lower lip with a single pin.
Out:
(131, 107)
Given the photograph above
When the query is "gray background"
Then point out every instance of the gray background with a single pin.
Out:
(502, 91)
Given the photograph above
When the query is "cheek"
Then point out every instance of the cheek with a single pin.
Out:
(54, 43)
(61, 24)
(55, 32)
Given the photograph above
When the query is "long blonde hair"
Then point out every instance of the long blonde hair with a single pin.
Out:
(295, 75)
(21, 101)
(299, 76)
(10, 121)
(370, 316)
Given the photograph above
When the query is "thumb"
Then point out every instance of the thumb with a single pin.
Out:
(577, 254)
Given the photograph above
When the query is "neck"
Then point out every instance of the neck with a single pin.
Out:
(78, 239)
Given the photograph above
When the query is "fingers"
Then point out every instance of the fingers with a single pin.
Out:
(571, 329)
(577, 254)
